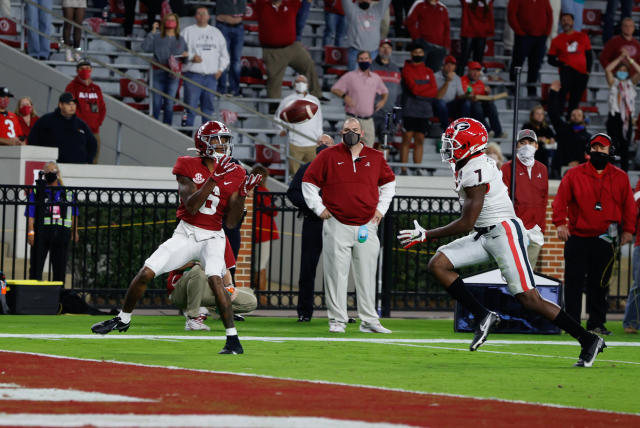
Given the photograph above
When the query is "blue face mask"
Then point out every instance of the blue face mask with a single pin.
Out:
(622, 75)
(364, 65)
(578, 128)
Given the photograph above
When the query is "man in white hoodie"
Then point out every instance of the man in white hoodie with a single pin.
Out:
(208, 58)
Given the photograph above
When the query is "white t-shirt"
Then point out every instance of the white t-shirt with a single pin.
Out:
(497, 206)
(311, 128)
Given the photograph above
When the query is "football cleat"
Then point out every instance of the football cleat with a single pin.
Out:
(196, 323)
(373, 327)
(232, 346)
(590, 351)
(482, 330)
(108, 326)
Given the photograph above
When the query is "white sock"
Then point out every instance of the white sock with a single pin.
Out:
(232, 331)
(125, 317)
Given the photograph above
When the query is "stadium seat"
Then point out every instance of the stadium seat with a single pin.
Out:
(250, 19)
(8, 27)
(335, 58)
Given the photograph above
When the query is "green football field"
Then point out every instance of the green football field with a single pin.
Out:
(420, 355)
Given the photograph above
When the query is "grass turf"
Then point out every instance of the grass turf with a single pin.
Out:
(527, 372)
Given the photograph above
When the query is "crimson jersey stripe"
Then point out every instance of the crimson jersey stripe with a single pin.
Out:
(516, 256)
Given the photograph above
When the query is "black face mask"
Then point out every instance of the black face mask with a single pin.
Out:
(351, 138)
(363, 5)
(599, 160)
(50, 177)
(417, 58)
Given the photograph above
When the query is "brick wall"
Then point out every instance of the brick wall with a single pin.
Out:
(243, 264)
(551, 259)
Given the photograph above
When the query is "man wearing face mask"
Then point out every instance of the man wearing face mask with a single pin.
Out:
(390, 74)
(532, 191)
(301, 147)
(359, 88)
(350, 187)
(90, 102)
(363, 19)
(594, 202)
(10, 129)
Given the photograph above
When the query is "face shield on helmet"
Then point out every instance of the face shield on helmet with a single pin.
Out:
(213, 140)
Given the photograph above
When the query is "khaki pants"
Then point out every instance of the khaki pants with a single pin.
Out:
(295, 56)
(368, 130)
(192, 291)
(341, 250)
(303, 154)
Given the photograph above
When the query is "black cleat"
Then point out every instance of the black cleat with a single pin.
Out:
(232, 346)
(237, 317)
(590, 351)
(108, 326)
(304, 318)
(482, 330)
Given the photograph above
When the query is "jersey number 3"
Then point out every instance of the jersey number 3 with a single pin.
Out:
(11, 132)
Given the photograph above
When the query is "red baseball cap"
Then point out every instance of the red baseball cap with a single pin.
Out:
(602, 139)
(450, 59)
(386, 41)
(474, 65)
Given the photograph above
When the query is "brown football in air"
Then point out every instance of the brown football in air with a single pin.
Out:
(298, 111)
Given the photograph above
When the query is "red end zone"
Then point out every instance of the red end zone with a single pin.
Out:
(180, 392)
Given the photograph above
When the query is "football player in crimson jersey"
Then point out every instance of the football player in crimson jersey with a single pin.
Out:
(497, 234)
(210, 185)
(10, 129)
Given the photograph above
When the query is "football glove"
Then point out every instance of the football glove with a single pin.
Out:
(409, 238)
(250, 181)
(223, 167)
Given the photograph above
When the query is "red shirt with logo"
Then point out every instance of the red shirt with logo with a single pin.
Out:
(571, 50)
(210, 214)
(420, 79)
(10, 125)
(477, 21)
(477, 88)
(349, 187)
(429, 22)
(91, 107)
(614, 47)
(532, 193)
(277, 25)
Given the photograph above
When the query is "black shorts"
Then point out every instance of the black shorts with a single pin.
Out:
(415, 124)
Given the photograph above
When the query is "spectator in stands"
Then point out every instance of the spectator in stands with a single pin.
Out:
(73, 10)
(474, 89)
(90, 102)
(531, 22)
(363, 21)
(277, 34)
(428, 25)
(390, 74)
(532, 191)
(64, 130)
(301, 147)
(618, 45)
(301, 18)
(477, 25)
(631, 320)
(572, 136)
(546, 137)
(27, 116)
(575, 9)
(622, 104)
(229, 15)
(266, 230)
(359, 88)
(334, 23)
(570, 51)
(494, 151)
(59, 227)
(420, 91)
(401, 10)
(168, 49)
(610, 15)
(207, 59)
(38, 42)
(451, 102)
(593, 211)
(10, 129)
(556, 8)
(129, 20)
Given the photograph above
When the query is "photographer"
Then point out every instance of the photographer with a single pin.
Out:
(594, 200)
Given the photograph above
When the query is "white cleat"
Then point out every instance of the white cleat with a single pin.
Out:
(196, 323)
(374, 327)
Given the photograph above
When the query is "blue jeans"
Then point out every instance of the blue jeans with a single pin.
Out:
(632, 311)
(610, 14)
(334, 29)
(301, 18)
(234, 35)
(195, 96)
(352, 57)
(166, 83)
(37, 44)
(575, 8)
(453, 109)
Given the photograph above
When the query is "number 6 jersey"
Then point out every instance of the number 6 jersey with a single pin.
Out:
(497, 206)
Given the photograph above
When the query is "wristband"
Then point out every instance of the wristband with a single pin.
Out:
(31, 233)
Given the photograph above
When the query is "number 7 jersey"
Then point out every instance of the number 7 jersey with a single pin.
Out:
(497, 206)
(210, 214)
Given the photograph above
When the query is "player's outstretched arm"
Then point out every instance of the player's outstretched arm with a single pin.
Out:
(471, 208)
(235, 207)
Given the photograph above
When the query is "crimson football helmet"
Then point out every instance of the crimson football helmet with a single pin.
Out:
(463, 138)
(213, 140)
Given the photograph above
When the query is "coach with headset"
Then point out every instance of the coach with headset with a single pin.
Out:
(594, 203)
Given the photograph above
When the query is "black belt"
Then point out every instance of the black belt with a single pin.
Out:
(481, 231)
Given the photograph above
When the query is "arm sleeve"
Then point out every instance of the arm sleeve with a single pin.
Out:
(224, 53)
(311, 194)
(341, 84)
(294, 192)
(276, 115)
(410, 22)
(312, 181)
(559, 205)
(408, 81)
(512, 10)
(605, 55)
(181, 168)
(147, 43)
(553, 60)
(387, 192)
(381, 88)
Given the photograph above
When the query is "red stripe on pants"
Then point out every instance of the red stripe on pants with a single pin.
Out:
(514, 251)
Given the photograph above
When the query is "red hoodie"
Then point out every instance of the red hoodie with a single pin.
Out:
(419, 79)
(477, 21)
(429, 22)
(91, 108)
(530, 17)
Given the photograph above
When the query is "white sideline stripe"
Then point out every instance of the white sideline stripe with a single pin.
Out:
(10, 391)
(320, 382)
(296, 339)
(128, 420)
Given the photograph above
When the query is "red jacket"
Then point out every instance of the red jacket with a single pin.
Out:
(530, 17)
(477, 21)
(419, 79)
(349, 189)
(27, 128)
(429, 22)
(571, 49)
(581, 188)
(613, 48)
(277, 26)
(478, 87)
(266, 229)
(532, 193)
(91, 108)
(333, 6)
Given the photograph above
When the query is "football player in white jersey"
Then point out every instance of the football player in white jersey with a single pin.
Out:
(497, 234)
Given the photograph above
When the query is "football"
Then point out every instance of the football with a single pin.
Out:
(298, 111)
